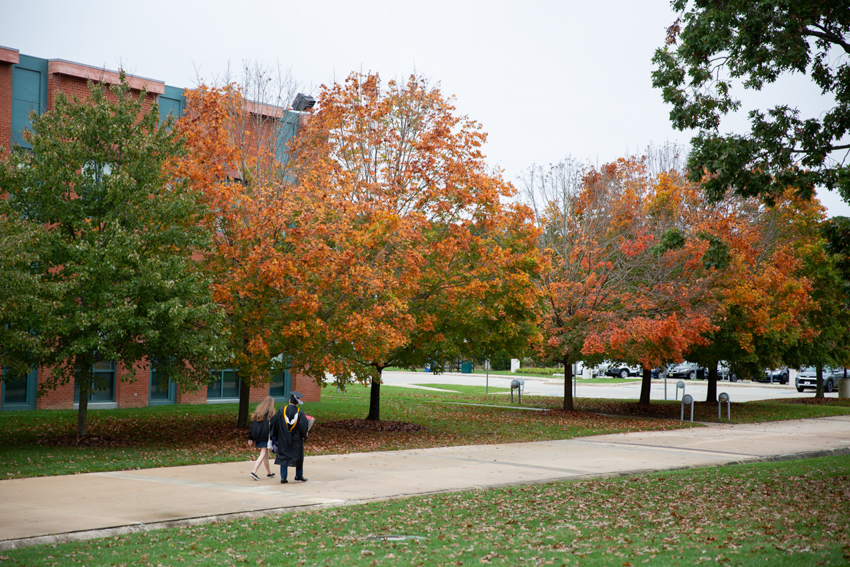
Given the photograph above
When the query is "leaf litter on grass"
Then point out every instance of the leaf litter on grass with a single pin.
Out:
(736, 515)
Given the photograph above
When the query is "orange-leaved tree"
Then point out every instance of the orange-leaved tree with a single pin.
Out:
(622, 284)
(247, 191)
(409, 251)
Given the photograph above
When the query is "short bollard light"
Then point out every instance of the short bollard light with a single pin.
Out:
(680, 386)
(687, 400)
(517, 384)
(724, 397)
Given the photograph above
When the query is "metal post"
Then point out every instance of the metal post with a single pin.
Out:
(487, 379)
(689, 400)
(724, 397)
(680, 385)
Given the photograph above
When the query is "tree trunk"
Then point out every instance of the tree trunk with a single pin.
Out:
(375, 397)
(711, 392)
(82, 414)
(243, 420)
(645, 386)
(83, 367)
(568, 385)
(819, 390)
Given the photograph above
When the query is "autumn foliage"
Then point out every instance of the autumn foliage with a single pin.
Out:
(410, 254)
(625, 281)
(644, 269)
(247, 193)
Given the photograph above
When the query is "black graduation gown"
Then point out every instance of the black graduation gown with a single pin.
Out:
(290, 439)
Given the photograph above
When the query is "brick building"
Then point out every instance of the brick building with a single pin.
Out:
(30, 83)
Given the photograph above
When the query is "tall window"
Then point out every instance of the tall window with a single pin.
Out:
(224, 385)
(162, 389)
(19, 390)
(103, 384)
(281, 385)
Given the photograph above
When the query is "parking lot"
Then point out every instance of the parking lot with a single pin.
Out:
(742, 391)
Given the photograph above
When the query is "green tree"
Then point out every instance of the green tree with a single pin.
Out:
(826, 265)
(716, 46)
(25, 297)
(116, 235)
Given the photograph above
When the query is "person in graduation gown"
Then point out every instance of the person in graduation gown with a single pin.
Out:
(290, 427)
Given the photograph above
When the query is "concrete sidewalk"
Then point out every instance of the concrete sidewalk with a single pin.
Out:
(76, 507)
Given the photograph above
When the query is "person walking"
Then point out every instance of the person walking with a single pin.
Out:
(289, 430)
(259, 433)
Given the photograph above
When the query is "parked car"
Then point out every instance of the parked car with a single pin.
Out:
(725, 373)
(773, 375)
(689, 370)
(621, 370)
(808, 378)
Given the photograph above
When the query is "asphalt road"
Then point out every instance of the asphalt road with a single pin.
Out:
(744, 391)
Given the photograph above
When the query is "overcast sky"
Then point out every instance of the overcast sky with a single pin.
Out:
(546, 79)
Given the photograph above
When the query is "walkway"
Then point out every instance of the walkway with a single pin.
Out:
(76, 507)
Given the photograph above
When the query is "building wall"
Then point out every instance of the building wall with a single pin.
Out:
(62, 397)
(132, 385)
(311, 391)
(199, 396)
(8, 58)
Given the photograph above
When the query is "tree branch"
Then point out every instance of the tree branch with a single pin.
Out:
(827, 35)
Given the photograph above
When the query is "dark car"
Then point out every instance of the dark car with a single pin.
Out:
(808, 378)
(773, 375)
(689, 370)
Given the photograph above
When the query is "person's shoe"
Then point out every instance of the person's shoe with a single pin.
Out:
(283, 481)
(254, 476)
(270, 475)
(301, 478)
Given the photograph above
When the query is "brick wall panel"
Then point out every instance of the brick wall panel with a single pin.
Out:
(5, 106)
(62, 397)
(132, 386)
(311, 391)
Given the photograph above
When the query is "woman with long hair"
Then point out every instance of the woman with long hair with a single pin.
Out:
(258, 435)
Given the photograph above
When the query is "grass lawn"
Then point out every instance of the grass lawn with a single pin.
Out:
(35, 443)
(736, 515)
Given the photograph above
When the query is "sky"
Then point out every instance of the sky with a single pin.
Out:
(546, 79)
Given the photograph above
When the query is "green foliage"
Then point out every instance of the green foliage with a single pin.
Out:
(828, 316)
(717, 256)
(754, 514)
(105, 242)
(672, 239)
(836, 231)
(500, 361)
(715, 47)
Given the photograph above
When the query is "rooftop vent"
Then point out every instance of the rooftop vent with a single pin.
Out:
(303, 102)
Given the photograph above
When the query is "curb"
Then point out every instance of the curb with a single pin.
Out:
(10, 544)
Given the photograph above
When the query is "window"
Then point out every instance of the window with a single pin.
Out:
(281, 385)
(103, 383)
(19, 390)
(225, 385)
(162, 390)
